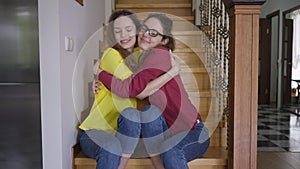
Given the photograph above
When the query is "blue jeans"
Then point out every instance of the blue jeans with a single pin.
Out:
(101, 146)
(107, 149)
(148, 124)
(183, 147)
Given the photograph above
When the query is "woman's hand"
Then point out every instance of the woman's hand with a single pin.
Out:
(96, 71)
(95, 86)
(175, 65)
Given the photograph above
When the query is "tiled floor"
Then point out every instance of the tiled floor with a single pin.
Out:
(278, 130)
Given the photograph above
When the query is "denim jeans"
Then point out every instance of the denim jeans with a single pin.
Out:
(101, 146)
(183, 147)
(148, 124)
(106, 149)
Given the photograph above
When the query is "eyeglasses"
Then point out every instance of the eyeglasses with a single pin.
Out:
(151, 32)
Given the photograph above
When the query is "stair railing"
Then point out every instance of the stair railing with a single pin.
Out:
(212, 18)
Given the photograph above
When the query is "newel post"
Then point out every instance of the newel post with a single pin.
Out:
(243, 82)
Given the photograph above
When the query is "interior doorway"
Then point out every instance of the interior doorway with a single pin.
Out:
(291, 56)
(268, 59)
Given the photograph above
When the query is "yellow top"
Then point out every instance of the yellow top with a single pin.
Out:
(106, 107)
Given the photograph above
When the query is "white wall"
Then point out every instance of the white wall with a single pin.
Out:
(269, 7)
(57, 19)
(274, 5)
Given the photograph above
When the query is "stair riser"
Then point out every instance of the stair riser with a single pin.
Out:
(178, 11)
(196, 82)
(204, 106)
(218, 138)
(190, 59)
(86, 167)
(208, 167)
(215, 157)
(151, 167)
(180, 25)
(183, 25)
(151, 1)
(192, 41)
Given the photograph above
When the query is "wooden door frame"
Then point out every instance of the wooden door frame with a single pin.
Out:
(269, 17)
(286, 66)
(287, 63)
(264, 61)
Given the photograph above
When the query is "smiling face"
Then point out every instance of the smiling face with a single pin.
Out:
(145, 40)
(125, 32)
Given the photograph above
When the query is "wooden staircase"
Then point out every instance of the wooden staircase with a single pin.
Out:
(214, 158)
(196, 77)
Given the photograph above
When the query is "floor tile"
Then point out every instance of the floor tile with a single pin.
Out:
(278, 130)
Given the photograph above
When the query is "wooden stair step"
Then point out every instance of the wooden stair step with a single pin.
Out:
(192, 69)
(152, 5)
(178, 9)
(188, 33)
(152, 1)
(176, 21)
(143, 16)
(189, 59)
(195, 84)
(180, 18)
(181, 49)
(194, 93)
(191, 41)
(215, 156)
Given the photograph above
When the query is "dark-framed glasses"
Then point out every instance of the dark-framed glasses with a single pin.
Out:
(151, 32)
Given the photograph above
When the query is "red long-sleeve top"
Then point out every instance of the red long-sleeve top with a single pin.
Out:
(172, 99)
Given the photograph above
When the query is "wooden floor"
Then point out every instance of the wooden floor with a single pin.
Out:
(278, 160)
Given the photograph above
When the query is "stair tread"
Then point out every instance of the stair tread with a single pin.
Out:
(189, 50)
(198, 69)
(152, 5)
(142, 16)
(204, 93)
(192, 69)
(195, 93)
(152, 1)
(197, 32)
(186, 17)
(213, 156)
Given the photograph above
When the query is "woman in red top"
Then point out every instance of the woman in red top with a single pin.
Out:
(188, 137)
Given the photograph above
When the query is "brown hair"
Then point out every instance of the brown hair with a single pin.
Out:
(111, 36)
(167, 25)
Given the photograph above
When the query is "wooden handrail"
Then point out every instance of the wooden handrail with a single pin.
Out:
(230, 3)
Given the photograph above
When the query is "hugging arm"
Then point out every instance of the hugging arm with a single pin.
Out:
(135, 84)
(160, 81)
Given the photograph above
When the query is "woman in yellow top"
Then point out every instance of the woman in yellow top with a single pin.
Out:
(97, 138)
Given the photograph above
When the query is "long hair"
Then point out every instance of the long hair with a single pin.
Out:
(111, 36)
(167, 25)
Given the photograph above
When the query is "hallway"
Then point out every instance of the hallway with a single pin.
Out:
(20, 142)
